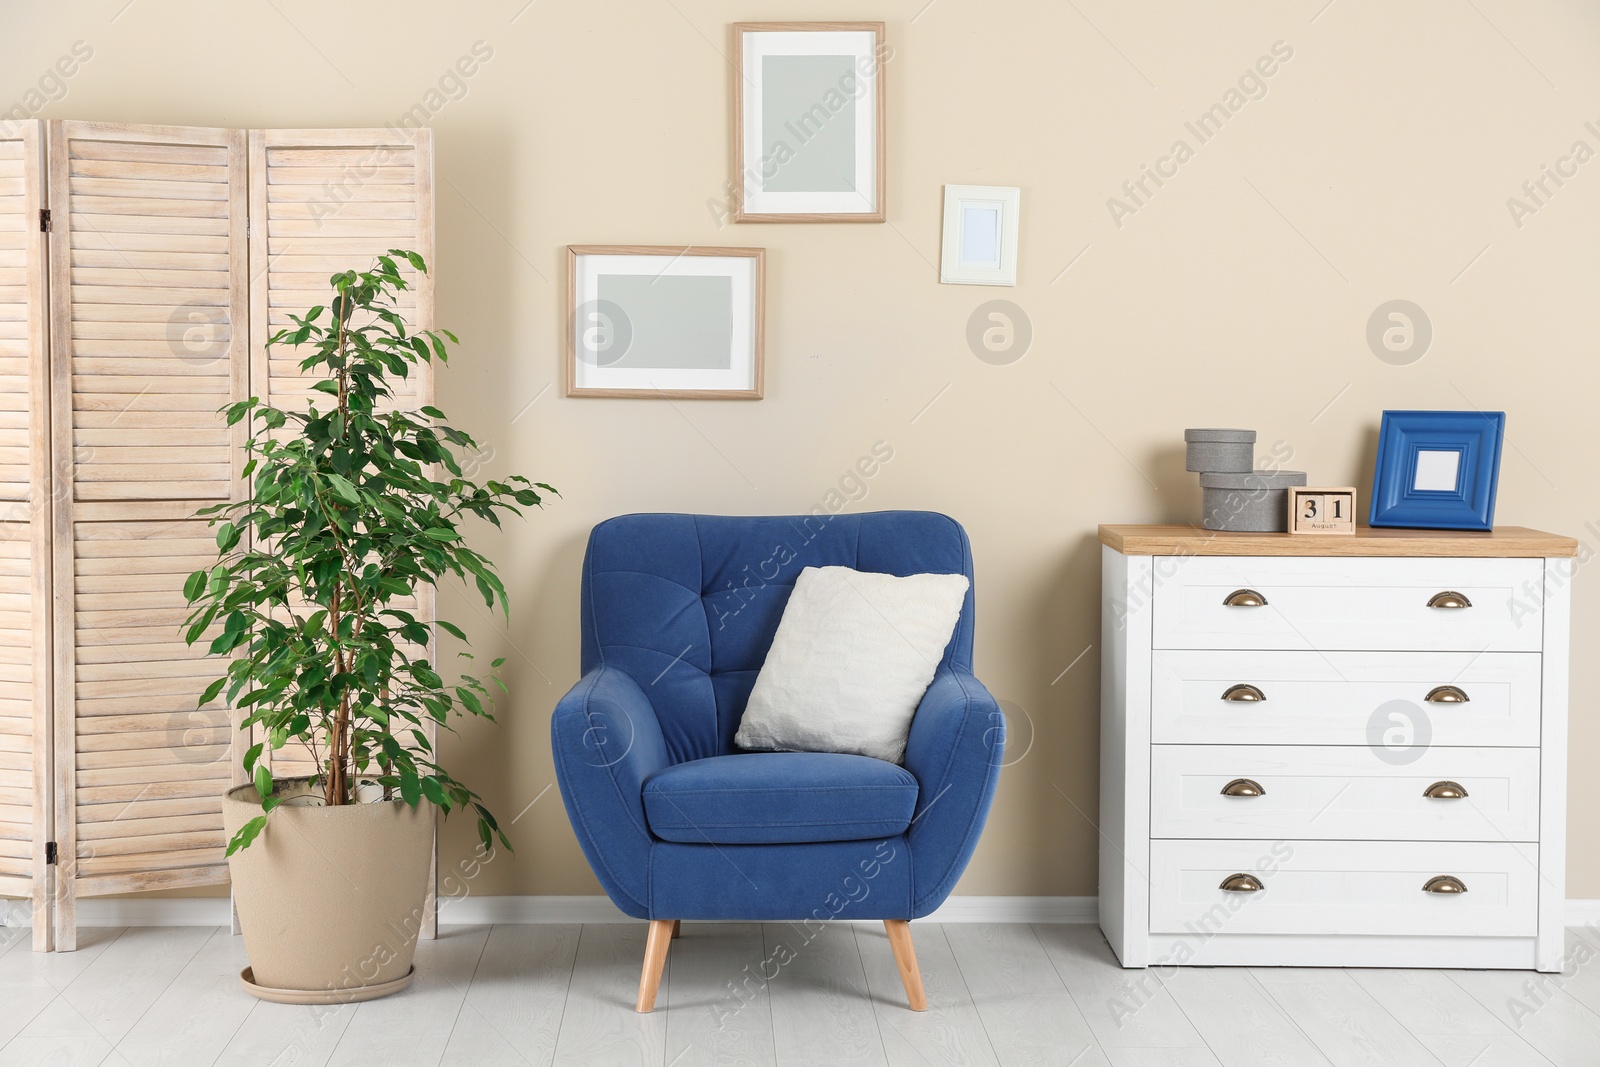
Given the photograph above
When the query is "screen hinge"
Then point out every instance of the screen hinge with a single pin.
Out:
(50, 853)
(44, 220)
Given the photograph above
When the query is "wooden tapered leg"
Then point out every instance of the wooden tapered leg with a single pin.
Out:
(905, 958)
(676, 923)
(655, 957)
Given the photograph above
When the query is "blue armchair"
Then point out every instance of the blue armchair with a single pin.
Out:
(678, 614)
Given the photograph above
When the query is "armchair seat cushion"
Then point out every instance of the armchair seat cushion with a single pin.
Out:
(766, 798)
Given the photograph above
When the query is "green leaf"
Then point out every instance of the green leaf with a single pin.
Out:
(227, 537)
(342, 488)
(263, 781)
(195, 585)
(435, 792)
(442, 533)
(410, 788)
(211, 691)
(247, 833)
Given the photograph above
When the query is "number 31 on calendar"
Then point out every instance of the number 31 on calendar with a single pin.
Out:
(1322, 511)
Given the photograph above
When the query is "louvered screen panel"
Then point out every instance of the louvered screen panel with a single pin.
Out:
(25, 708)
(149, 291)
(332, 200)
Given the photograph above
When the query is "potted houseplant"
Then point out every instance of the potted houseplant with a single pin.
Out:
(352, 506)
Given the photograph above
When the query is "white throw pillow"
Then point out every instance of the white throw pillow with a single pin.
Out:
(853, 655)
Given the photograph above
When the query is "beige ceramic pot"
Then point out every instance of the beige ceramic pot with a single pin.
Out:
(330, 899)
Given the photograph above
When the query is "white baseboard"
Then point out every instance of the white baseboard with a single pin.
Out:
(133, 911)
(480, 910)
(474, 911)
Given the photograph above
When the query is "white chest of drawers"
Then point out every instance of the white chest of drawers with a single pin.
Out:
(1334, 751)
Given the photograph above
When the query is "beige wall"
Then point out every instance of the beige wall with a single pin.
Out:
(1377, 166)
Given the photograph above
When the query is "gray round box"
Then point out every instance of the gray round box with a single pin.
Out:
(1220, 450)
(1253, 502)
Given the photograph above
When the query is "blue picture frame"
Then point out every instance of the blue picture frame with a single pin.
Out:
(1437, 470)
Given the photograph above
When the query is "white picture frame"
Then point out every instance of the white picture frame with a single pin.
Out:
(665, 322)
(981, 223)
(808, 121)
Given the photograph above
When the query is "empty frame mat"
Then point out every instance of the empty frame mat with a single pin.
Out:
(148, 277)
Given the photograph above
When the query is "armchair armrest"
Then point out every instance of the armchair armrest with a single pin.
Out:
(607, 741)
(955, 749)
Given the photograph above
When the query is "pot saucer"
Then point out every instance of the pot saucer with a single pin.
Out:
(323, 996)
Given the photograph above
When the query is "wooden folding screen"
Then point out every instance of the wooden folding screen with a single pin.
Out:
(26, 812)
(331, 201)
(149, 283)
(172, 254)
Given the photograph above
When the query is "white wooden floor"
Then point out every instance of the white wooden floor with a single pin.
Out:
(1001, 994)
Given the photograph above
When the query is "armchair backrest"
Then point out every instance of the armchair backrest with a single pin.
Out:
(688, 604)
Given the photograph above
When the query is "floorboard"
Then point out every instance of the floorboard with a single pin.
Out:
(951, 1032)
(1343, 1020)
(1240, 1023)
(30, 981)
(717, 1009)
(1533, 1006)
(1124, 1008)
(119, 985)
(415, 1027)
(822, 1014)
(785, 995)
(517, 996)
(1027, 1013)
(195, 1017)
(599, 1027)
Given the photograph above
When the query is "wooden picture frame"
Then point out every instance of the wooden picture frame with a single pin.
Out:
(815, 92)
(682, 357)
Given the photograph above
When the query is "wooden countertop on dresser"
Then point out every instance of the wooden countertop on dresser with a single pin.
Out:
(1181, 540)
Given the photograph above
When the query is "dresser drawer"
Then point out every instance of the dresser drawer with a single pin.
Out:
(1326, 604)
(1345, 698)
(1343, 887)
(1326, 793)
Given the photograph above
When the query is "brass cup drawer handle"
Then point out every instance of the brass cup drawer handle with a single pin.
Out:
(1449, 599)
(1445, 791)
(1243, 787)
(1241, 883)
(1444, 883)
(1447, 694)
(1244, 693)
(1244, 598)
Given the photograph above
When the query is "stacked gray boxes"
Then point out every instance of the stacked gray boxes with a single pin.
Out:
(1237, 497)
